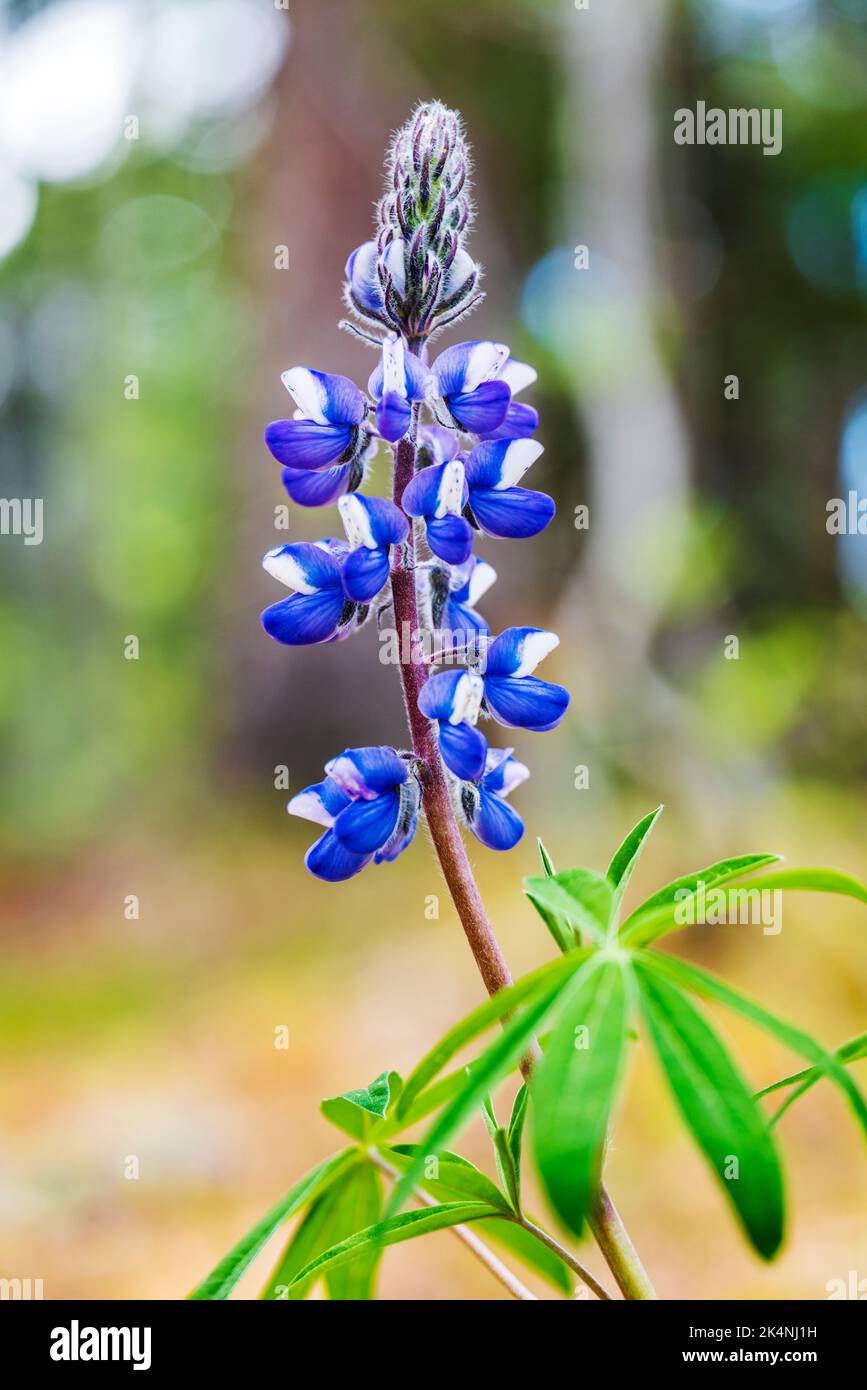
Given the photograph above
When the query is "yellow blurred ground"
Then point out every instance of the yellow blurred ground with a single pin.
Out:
(155, 1038)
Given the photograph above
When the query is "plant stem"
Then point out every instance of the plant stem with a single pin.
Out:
(620, 1254)
(466, 1236)
(608, 1229)
(436, 797)
(565, 1255)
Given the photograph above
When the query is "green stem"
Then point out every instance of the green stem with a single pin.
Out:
(467, 1237)
(565, 1255)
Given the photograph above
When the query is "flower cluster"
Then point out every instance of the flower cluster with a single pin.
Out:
(472, 443)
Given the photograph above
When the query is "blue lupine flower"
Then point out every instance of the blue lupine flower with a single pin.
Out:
(472, 386)
(319, 610)
(321, 488)
(328, 428)
(369, 804)
(415, 278)
(485, 809)
(455, 592)
(436, 444)
(372, 525)
(452, 700)
(461, 276)
(515, 697)
(368, 271)
(521, 420)
(500, 507)
(438, 493)
(397, 380)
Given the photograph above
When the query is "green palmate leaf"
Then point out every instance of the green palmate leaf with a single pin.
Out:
(516, 1130)
(690, 977)
(311, 1237)
(359, 1113)
(802, 1081)
(499, 1059)
(575, 1084)
(851, 1051)
(546, 980)
(667, 908)
(547, 861)
(584, 898)
(316, 1232)
(508, 1174)
(359, 1206)
(223, 1278)
(456, 1178)
(718, 1107)
(429, 1100)
(562, 932)
(406, 1226)
(811, 880)
(624, 861)
(447, 1176)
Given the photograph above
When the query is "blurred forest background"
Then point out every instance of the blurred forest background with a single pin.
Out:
(154, 158)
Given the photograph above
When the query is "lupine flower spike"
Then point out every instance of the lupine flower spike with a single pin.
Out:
(462, 444)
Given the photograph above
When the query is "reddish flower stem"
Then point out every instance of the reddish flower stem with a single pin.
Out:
(610, 1233)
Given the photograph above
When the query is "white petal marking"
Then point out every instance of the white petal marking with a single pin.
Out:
(356, 522)
(308, 393)
(518, 375)
(519, 456)
(481, 579)
(309, 805)
(534, 649)
(467, 699)
(451, 490)
(486, 361)
(393, 369)
(287, 570)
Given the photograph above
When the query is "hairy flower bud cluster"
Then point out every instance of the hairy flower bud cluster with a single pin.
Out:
(417, 276)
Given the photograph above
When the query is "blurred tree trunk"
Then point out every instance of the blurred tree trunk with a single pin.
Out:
(638, 446)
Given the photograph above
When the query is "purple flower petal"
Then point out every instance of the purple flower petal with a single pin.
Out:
(324, 398)
(305, 619)
(518, 651)
(482, 410)
(319, 803)
(451, 538)
(492, 820)
(521, 421)
(304, 566)
(304, 444)
(365, 572)
(316, 489)
(328, 859)
(465, 366)
(367, 772)
(511, 513)
(366, 826)
(503, 772)
(464, 750)
(362, 277)
(374, 522)
(526, 702)
(501, 463)
(393, 416)
(453, 695)
(436, 490)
